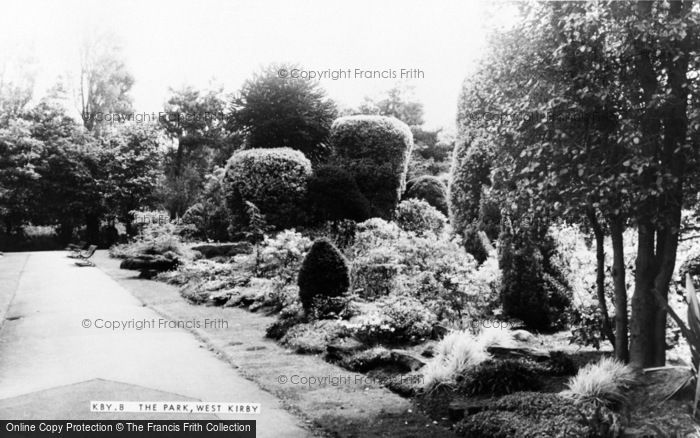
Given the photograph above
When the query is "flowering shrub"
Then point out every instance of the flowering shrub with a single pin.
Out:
(281, 256)
(376, 273)
(154, 238)
(398, 319)
(371, 280)
(417, 216)
(374, 233)
(203, 270)
(274, 180)
(313, 337)
(439, 271)
(433, 268)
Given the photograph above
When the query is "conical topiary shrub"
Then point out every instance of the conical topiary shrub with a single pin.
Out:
(324, 273)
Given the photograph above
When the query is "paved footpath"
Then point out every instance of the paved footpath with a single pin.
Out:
(51, 367)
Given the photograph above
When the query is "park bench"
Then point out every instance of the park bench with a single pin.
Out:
(76, 246)
(84, 256)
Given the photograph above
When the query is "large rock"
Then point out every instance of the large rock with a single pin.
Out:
(407, 359)
(458, 409)
(376, 358)
(223, 249)
(523, 336)
(518, 353)
(149, 263)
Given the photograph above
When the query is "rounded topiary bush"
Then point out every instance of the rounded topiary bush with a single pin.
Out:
(376, 151)
(334, 195)
(430, 189)
(275, 180)
(324, 273)
(419, 217)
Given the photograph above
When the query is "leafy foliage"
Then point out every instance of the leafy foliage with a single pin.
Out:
(19, 154)
(590, 107)
(195, 119)
(398, 319)
(105, 81)
(471, 167)
(419, 217)
(397, 102)
(275, 180)
(532, 288)
(209, 215)
(282, 256)
(275, 111)
(528, 414)
(430, 189)
(334, 195)
(500, 377)
(324, 272)
(375, 150)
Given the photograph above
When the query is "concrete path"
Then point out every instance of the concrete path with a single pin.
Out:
(51, 366)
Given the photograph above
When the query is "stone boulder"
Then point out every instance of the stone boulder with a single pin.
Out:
(523, 336)
(518, 353)
(223, 249)
(150, 265)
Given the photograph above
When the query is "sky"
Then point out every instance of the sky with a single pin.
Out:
(174, 43)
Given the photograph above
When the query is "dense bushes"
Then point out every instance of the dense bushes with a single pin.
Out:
(471, 166)
(430, 189)
(154, 239)
(375, 150)
(276, 111)
(275, 180)
(210, 216)
(532, 289)
(527, 415)
(280, 257)
(375, 274)
(417, 216)
(435, 269)
(334, 195)
(500, 377)
(398, 319)
(324, 273)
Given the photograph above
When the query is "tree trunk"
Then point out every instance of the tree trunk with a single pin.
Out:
(65, 233)
(600, 276)
(659, 216)
(618, 274)
(92, 228)
(643, 302)
(129, 225)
